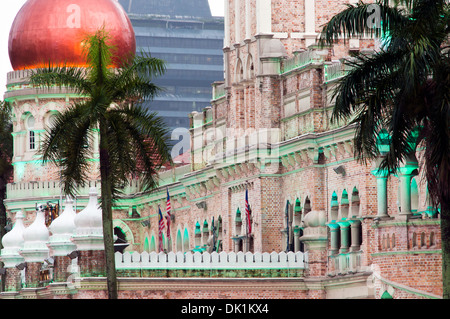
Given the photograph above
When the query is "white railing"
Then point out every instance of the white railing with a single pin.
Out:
(223, 260)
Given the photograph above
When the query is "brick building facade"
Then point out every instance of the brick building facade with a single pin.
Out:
(323, 225)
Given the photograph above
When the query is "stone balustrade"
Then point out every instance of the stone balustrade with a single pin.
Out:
(223, 260)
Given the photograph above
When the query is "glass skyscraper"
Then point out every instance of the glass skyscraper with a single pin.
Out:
(190, 40)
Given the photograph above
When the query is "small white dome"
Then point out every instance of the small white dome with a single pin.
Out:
(14, 238)
(37, 231)
(90, 218)
(35, 239)
(62, 229)
(88, 234)
(64, 223)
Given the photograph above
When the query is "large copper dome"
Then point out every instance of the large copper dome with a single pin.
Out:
(47, 31)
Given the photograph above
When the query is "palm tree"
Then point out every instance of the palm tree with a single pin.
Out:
(404, 88)
(132, 141)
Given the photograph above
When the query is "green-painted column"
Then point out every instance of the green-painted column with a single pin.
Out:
(381, 177)
(355, 227)
(405, 191)
(345, 236)
(296, 238)
(382, 196)
(334, 240)
(405, 174)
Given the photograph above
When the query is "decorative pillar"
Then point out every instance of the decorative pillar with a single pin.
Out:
(60, 243)
(35, 250)
(248, 20)
(405, 193)
(355, 229)
(263, 16)
(334, 238)
(297, 231)
(237, 21)
(315, 240)
(344, 227)
(381, 176)
(405, 174)
(12, 243)
(310, 23)
(88, 237)
(226, 40)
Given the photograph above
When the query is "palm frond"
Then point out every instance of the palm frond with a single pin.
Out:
(357, 20)
(99, 55)
(135, 80)
(149, 138)
(66, 144)
(62, 76)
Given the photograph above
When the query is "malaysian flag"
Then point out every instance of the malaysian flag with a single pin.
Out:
(168, 209)
(248, 213)
(161, 228)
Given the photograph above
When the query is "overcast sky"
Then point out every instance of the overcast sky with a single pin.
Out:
(8, 11)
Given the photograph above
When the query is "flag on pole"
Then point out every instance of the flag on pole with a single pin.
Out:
(168, 209)
(248, 213)
(161, 228)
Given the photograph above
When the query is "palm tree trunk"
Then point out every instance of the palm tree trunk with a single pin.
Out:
(106, 199)
(445, 240)
(3, 183)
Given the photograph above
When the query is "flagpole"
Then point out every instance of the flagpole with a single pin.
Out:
(160, 228)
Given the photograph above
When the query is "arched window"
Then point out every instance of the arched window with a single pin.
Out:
(307, 207)
(121, 242)
(197, 236)
(288, 234)
(239, 71)
(355, 208)
(31, 134)
(393, 241)
(344, 204)
(423, 241)
(432, 239)
(414, 240)
(334, 207)
(250, 67)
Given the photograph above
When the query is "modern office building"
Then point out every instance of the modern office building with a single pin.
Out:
(190, 40)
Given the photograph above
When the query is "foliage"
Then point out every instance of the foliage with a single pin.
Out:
(402, 88)
(133, 142)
